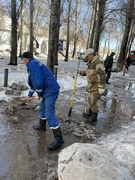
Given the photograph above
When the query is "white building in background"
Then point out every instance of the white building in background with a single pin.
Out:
(40, 42)
(5, 32)
(5, 39)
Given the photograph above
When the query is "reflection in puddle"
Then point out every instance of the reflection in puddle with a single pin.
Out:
(115, 106)
(129, 87)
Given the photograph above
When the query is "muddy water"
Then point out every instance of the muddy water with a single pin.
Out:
(23, 151)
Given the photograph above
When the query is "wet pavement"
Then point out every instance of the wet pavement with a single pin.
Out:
(23, 151)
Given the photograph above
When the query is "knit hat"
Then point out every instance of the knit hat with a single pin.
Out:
(88, 51)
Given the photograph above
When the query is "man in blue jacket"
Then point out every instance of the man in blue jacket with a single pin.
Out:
(42, 81)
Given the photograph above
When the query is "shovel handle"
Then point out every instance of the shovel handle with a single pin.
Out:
(25, 98)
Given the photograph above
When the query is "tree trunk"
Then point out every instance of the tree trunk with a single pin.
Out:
(22, 30)
(131, 36)
(93, 25)
(13, 57)
(76, 29)
(104, 48)
(54, 34)
(129, 18)
(99, 24)
(68, 30)
(108, 52)
(88, 39)
(31, 26)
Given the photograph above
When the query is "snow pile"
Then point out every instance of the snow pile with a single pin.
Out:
(90, 161)
(18, 78)
(122, 145)
(66, 82)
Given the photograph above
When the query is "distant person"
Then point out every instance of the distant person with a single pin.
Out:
(128, 62)
(42, 81)
(96, 79)
(108, 66)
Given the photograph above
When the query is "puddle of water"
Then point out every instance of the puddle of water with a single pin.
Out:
(116, 106)
(129, 87)
(3, 130)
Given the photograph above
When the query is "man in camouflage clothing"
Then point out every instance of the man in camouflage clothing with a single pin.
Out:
(96, 79)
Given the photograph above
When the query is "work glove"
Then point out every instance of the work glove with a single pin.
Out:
(101, 91)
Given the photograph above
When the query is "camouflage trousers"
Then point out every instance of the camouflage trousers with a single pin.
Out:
(94, 100)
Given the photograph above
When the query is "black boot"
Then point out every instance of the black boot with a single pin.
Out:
(58, 139)
(41, 126)
(87, 115)
(93, 117)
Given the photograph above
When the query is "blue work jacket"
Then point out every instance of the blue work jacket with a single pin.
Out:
(41, 79)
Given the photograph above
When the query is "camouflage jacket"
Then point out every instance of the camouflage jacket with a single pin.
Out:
(95, 73)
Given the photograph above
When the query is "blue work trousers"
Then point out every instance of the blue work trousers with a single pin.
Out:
(47, 110)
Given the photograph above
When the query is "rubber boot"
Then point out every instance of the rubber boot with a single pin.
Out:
(93, 117)
(41, 126)
(58, 139)
(87, 115)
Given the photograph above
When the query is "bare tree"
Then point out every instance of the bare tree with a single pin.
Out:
(22, 30)
(13, 57)
(92, 25)
(129, 19)
(31, 26)
(15, 13)
(40, 19)
(53, 34)
(68, 29)
(131, 35)
(113, 18)
(99, 25)
(76, 28)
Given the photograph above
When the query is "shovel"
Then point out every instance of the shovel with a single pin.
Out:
(25, 98)
(73, 92)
